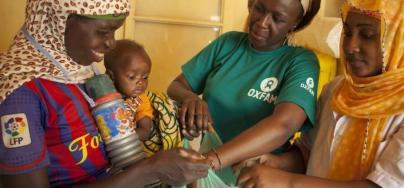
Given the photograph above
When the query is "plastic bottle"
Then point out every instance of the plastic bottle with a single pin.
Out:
(122, 143)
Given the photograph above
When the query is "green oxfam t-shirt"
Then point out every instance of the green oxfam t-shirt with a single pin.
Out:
(242, 85)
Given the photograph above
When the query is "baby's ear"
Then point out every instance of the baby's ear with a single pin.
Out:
(110, 74)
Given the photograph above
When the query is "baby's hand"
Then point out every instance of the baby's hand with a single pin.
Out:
(143, 128)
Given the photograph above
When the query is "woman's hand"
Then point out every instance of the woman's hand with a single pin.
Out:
(180, 166)
(291, 161)
(260, 176)
(194, 116)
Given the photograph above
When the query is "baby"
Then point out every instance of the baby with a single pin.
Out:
(129, 66)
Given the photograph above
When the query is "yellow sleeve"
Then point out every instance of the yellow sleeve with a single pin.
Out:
(144, 109)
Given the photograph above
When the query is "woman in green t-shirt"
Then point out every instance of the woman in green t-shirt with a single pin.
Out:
(257, 90)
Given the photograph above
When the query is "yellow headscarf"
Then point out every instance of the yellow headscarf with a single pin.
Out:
(370, 101)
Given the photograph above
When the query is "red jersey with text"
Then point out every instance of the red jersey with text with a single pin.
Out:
(49, 124)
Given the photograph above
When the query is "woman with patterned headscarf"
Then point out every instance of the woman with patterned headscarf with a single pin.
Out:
(48, 135)
(359, 140)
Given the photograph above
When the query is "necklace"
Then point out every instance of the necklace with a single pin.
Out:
(365, 143)
(133, 103)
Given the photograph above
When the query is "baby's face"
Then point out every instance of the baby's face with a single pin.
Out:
(131, 78)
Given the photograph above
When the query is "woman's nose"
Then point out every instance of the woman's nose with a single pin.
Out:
(353, 44)
(110, 42)
(265, 21)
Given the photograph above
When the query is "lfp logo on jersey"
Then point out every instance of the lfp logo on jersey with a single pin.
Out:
(15, 130)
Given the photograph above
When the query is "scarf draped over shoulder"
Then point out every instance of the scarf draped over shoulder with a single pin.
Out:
(370, 101)
(46, 22)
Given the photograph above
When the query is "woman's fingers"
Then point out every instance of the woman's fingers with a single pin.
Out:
(197, 162)
(244, 176)
(191, 119)
(205, 124)
(183, 120)
(186, 134)
(250, 183)
(202, 116)
(206, 116)
(183, 115)
(199, 117)
(187, 112)
(210, 127)
(191, 154)
(194, 117)
(180, 166)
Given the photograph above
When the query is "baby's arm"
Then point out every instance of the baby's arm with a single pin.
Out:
(143, 128)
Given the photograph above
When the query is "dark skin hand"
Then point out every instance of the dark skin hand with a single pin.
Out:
(194, 114)
(261, 176)
(143, 128)
(291, 161)
(174, 167)
(265, 136)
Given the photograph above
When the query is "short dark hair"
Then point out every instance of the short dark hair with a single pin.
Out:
(311, 12)
(122, 46)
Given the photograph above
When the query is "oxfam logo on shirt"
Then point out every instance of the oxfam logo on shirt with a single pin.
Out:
(309, 85)
(264, 92)
(269, 84)
(310, 82)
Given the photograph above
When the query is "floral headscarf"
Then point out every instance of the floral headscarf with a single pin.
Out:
(46, 22)
(370, 101)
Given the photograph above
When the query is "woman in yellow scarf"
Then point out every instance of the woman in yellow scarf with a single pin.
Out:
(358, 140)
